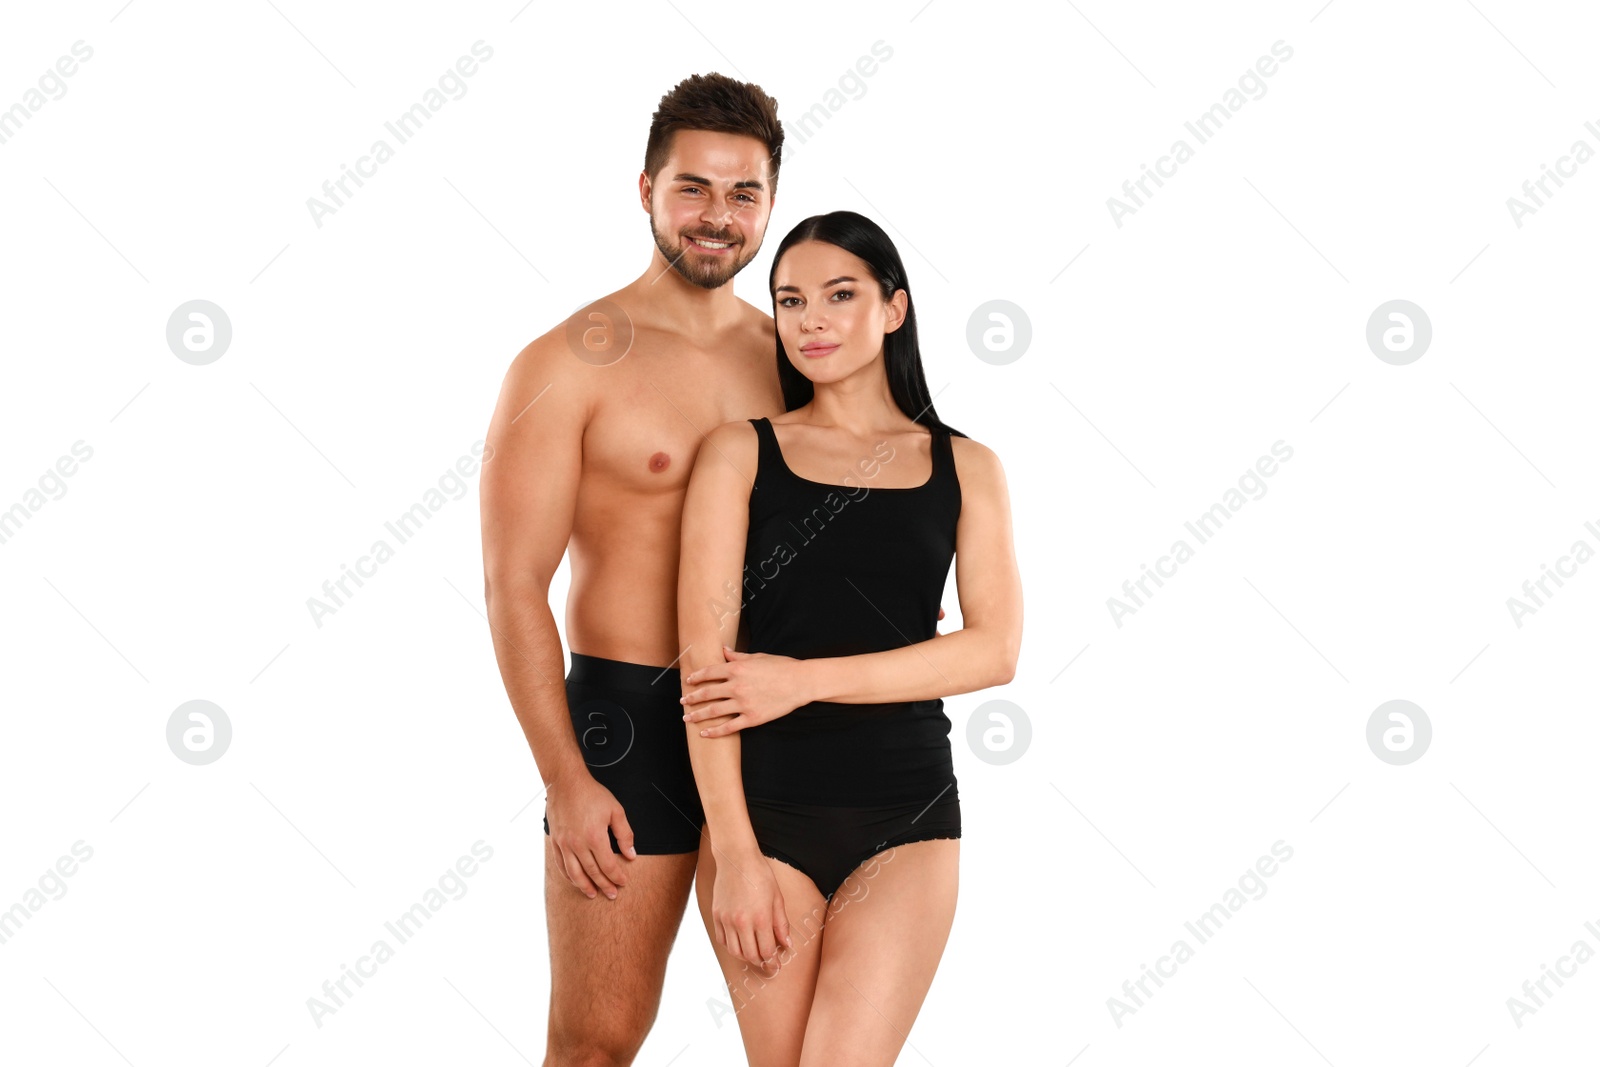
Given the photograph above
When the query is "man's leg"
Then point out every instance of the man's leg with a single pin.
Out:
(608, 958)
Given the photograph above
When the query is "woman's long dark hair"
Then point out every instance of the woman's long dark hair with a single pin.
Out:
(865, 240)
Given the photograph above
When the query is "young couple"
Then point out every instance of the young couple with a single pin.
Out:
(760, 514)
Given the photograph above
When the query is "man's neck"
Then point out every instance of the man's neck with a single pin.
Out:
(680, 306)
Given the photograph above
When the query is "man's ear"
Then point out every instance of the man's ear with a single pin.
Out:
(644, 191)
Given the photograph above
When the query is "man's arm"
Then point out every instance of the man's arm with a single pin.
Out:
(527, 498)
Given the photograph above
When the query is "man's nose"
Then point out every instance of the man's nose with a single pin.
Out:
(715, 215)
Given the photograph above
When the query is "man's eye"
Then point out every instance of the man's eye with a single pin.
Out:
(748, 197)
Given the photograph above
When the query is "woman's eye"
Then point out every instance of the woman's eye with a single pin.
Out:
(844, 293)
(785, 302)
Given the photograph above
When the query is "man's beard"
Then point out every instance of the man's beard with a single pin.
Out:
(707, 272)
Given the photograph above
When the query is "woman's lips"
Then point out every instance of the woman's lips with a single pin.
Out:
(817, 351)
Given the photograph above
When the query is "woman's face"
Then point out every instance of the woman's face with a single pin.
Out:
(829, 315)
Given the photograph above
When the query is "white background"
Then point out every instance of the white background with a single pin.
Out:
(1227, 314)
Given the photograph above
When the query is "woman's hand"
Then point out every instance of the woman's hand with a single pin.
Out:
(747, 913)
(753, 687)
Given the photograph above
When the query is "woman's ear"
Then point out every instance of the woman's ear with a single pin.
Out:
(897, 310)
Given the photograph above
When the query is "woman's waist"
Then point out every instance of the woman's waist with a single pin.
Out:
(821, 734)
(892, 717)
(847, 766)
(795, 627)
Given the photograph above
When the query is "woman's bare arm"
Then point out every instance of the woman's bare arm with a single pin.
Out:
(716, 520)
(748, 917)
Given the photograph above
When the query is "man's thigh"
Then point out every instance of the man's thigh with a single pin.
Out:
(608, 958)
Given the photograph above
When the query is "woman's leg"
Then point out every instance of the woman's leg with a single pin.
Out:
(771, 1011)
(886, 932)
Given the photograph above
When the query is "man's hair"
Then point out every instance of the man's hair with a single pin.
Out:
(719, 104)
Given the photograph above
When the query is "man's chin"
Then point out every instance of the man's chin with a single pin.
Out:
(708, 284)
(708, 279)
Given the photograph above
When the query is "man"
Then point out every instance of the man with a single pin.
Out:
(593, 437)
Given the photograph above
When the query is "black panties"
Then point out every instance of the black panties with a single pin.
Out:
(827, 843)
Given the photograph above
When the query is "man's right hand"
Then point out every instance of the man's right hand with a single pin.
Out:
(580, 811)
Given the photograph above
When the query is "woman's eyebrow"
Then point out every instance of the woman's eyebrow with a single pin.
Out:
(826, 284)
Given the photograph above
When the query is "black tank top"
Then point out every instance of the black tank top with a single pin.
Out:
(839, 570)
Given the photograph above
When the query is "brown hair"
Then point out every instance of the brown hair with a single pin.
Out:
(719, 104)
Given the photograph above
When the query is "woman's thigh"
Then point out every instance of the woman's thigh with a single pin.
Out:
(886, 932)
(771, 1011)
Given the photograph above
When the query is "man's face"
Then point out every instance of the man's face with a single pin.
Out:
(709, 205)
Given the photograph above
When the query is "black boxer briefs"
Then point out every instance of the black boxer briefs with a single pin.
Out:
(629, 725)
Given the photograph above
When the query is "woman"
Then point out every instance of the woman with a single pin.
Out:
(827, 875)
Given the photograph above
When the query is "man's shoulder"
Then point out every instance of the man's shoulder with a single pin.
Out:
(757, 313)
(759, 320)
(596, 334)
